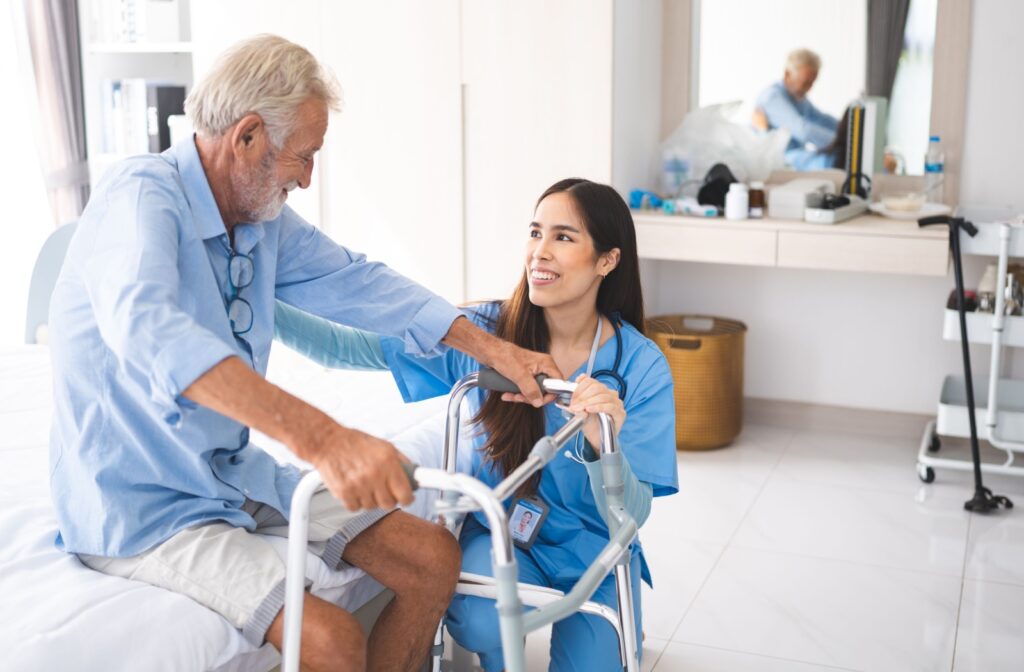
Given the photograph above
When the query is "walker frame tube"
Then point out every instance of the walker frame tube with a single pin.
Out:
(513, 623)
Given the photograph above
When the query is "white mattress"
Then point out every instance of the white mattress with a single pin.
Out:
(57, 614)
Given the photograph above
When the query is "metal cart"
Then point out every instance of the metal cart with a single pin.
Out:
(1000, 399)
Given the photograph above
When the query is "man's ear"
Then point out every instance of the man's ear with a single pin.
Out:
(248, 135)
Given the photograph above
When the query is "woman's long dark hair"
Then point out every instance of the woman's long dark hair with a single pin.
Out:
(512, 429)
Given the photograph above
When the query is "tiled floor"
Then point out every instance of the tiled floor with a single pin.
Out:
(801, 550)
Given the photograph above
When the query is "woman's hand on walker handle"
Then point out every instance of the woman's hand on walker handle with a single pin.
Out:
(593, 397)
(362, 471)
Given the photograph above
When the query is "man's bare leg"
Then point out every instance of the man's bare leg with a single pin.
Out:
(332, 638)
(420, 562)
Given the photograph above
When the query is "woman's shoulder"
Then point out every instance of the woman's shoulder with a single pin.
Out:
(640, 347)
(643, 362)
(483, 314)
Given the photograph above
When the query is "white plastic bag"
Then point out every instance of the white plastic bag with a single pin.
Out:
(707, 136)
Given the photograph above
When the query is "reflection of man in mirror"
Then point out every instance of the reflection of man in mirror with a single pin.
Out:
(524, 523)
(785, 105)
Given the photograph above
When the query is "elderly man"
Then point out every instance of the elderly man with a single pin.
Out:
(785, 105)
(162, 321)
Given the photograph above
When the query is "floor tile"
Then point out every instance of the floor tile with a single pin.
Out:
(717, 488)
(995, 547)
(989, 637)
(868, 526)
(689, 658)
(825, 612)
(678, 567)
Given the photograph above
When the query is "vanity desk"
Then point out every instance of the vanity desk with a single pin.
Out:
(868, 243)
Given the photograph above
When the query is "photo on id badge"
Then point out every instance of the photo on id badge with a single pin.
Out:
(528, 515)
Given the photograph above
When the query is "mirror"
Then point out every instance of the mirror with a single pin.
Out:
(741, 53)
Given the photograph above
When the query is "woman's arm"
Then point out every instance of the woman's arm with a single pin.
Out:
(637, 496)
(325, 342)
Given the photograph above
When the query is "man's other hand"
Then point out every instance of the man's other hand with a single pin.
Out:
(522, 367)
(361, 471)
(759, 120)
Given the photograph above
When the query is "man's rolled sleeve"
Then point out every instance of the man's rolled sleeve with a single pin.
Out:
(429, 326)
(179, 364)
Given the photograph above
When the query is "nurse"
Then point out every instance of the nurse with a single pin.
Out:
(579, 299)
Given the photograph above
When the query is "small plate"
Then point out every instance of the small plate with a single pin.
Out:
(927, 210)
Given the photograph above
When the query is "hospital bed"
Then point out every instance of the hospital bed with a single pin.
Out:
(57, 614)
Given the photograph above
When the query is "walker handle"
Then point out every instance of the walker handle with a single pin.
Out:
(489, 379)
(410, 472)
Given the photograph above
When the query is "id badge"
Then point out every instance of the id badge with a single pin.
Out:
(528, 515)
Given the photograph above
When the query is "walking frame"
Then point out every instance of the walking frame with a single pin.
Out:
(461, 493)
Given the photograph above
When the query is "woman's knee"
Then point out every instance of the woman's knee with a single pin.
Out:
(473, 623)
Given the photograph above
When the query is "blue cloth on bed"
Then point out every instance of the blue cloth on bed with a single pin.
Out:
(139, 313)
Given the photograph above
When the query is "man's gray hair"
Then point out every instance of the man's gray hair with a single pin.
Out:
(266, 75)
(799, 58)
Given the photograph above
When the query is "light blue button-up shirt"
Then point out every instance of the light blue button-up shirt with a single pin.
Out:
(806, 125)
(139, 313)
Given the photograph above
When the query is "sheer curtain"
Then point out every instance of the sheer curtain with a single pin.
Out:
(28, 217)
(53, 39)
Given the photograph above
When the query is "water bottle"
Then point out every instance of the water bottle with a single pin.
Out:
(675, 169)
(934, 162)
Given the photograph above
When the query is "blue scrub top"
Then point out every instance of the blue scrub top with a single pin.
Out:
(574, 532)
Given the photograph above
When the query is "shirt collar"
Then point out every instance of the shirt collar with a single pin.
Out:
(205, 212)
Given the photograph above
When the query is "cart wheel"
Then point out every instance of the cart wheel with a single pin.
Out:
(926, 474)
(934, 444)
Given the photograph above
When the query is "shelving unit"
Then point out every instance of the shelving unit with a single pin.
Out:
(162, 61)
(999, 402)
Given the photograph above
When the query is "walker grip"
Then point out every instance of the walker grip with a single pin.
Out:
(489, 379)
(410, 472)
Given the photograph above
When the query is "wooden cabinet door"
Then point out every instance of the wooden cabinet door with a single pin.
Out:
(538, 108)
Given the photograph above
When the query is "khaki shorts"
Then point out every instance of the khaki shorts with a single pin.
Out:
(235, 572)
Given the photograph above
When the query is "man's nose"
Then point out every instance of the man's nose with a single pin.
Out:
(307, 175)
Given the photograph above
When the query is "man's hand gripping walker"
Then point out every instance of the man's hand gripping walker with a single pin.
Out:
(461, 493)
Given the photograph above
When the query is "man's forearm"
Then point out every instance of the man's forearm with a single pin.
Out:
(466, 337)
(236, 391)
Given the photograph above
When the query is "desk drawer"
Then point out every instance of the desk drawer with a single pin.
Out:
(706, 243)
(873, 254)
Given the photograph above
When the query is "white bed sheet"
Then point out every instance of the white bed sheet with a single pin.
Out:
(57, 614)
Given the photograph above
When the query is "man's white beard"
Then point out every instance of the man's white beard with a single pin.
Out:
(260, 203)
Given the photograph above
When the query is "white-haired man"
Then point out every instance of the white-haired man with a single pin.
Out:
(785, 105)
(162, 321)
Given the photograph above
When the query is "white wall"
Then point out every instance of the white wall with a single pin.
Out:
(863, 340)
(27, 214)
(993, 162)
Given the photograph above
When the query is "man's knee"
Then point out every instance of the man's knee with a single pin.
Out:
(329, 635)
(437, 561)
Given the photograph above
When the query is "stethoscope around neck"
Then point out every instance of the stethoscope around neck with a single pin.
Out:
(613, 372)
(576, 454)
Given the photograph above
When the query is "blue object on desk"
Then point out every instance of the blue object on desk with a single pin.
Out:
(640, 199)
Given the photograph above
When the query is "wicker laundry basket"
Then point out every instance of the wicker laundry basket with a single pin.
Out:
(705, 355)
